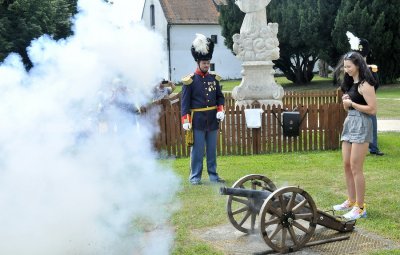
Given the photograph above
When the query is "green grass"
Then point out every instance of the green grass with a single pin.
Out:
(389, 91)
(318, 173)
(389, 101)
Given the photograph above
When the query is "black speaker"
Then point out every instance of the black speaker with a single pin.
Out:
(291, 123)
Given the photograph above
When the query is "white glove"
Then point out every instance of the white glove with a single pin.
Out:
(186, 126)
(220, 116)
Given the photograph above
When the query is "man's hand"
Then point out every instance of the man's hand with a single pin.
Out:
(186, 126)
(220, 116)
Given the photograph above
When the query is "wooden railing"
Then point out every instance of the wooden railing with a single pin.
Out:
(322, 115)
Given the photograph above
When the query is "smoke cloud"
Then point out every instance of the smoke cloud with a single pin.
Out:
(78, 176)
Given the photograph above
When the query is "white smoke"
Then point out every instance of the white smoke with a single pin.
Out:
(65, 187)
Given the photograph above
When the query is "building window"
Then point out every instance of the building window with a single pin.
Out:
(212, 67)
(214, 38)
(152, 16)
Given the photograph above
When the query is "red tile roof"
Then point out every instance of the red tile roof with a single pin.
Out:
(220, 2)
(191, 11)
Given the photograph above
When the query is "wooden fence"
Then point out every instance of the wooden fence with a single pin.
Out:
(322, 115)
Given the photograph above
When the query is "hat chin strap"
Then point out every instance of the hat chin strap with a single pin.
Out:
(198, 66)
(199, 71)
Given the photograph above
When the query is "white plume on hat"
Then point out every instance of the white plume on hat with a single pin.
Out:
(353, 40)
(200, 44)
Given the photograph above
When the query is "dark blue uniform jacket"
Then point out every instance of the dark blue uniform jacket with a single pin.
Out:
(201, 91)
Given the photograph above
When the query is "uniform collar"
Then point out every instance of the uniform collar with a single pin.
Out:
(199, 72)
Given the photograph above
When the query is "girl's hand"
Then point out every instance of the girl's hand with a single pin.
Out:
(347, 102)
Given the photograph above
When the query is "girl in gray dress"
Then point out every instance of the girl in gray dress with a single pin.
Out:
(360, 101)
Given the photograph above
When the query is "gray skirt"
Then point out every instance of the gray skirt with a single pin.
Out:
(357, 127)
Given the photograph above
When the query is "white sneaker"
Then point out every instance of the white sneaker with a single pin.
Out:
(345, 206)
(356, 213)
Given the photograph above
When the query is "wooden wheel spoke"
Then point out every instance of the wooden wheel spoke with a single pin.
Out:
(291, 202)
(240, 200)
(275, 211)
(299, 206)
(293, 235)
(273, 221)
(301, 227)
(282, 203)
(243, 209)
(278, 228)
(303, 216)
(245, 218)
(284, 234)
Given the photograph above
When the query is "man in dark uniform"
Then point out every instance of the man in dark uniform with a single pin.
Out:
(362, 47)
(202, 110)
(364, 50)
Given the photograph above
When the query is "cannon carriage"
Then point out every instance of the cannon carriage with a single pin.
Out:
(285, 217)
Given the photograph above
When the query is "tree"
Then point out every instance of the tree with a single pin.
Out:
(24, 20)
(327, 11)
(378, 21)
(304, 33)
(230, 19)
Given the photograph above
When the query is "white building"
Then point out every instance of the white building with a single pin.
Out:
(178, 21)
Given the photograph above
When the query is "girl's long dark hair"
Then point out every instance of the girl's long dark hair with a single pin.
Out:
(363, 69)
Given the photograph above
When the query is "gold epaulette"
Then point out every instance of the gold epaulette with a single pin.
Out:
(374, 68)
(217, 77)
(187, 80)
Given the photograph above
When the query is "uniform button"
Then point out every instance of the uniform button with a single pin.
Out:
(208, 100)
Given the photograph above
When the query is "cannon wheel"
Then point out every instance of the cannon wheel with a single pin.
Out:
(288, 219)
(241, 209)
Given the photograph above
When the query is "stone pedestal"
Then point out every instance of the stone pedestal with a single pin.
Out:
(258, 84)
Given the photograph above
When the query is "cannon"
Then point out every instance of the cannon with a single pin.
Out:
(287, 216)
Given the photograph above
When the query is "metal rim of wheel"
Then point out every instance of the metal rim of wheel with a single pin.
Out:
(241, 209)
(288, 219)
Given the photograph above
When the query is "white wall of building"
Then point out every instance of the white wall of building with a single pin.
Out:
(182, 62)
(181, 38)
(160, 20)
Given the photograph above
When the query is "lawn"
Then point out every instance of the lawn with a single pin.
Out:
(318, 173)
(389, 101)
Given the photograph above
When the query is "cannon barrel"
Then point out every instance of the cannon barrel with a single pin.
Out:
(250, 193)
(256, 194)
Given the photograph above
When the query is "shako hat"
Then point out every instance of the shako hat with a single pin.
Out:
(202, 48)
(358, 44)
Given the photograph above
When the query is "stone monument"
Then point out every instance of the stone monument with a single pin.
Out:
(257, 45)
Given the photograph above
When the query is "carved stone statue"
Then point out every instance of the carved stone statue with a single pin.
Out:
(257, 45)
